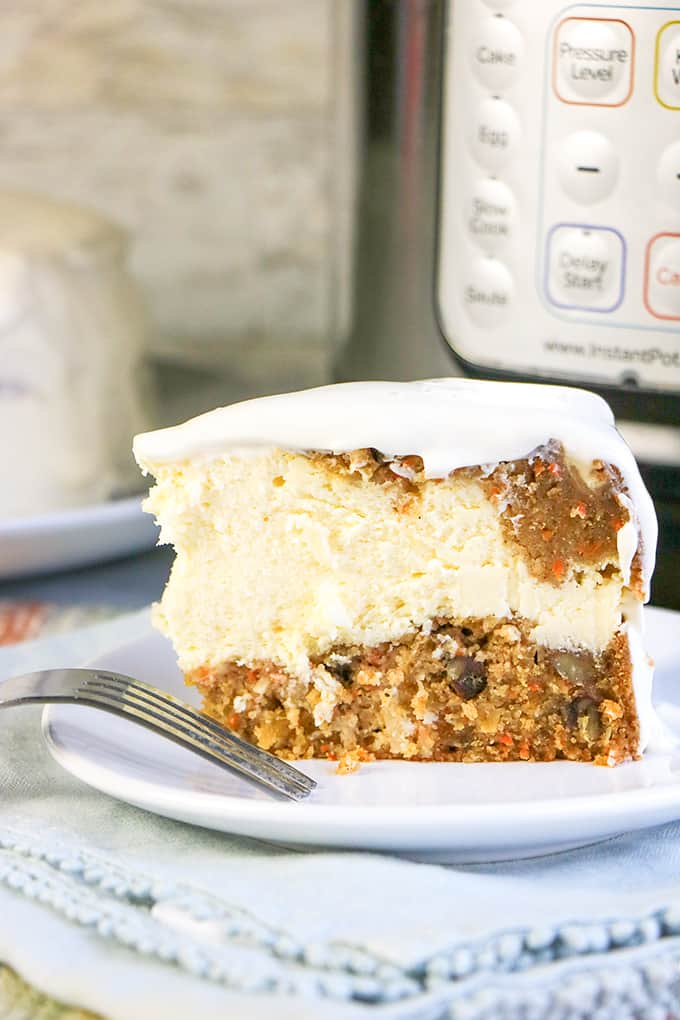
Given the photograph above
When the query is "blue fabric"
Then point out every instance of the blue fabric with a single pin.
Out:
(132, 915)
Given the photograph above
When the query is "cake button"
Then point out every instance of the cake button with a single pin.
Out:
(487, 291)
(662, 276)
(497, 52)
(491, 215)
(587, 166)
(495, 133)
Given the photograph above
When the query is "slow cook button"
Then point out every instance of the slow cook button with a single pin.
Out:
(495, 134)
(487, 291)
(497, 52)
(667, 77)
(662, 276)
(585, 267)
(587, 166)
(593, 61)
(491, 215)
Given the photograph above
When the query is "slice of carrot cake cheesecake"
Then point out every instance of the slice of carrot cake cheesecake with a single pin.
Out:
(448, 570)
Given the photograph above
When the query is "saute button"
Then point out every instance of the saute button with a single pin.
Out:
(487, 291)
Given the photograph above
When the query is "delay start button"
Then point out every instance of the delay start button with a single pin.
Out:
(585, 267)
(487, 291)
(497, 52)
(593, 61)
(662, 277)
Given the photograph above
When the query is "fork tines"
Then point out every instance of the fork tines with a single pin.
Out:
(162, 712)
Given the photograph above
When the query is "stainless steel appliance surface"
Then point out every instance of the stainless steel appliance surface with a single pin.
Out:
(517, 210)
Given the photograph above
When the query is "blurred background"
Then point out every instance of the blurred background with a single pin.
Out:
(211, 132)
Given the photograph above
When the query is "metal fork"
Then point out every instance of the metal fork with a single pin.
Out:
(161, 713)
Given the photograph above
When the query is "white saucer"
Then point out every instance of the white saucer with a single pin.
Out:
(432, 811)
(74, 538)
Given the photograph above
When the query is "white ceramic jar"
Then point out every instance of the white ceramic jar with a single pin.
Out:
(73, 386)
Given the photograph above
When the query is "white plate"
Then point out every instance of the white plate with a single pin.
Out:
(433, 811)
(74, 538)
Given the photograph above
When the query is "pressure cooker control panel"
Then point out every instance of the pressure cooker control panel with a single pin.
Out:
(559, 239)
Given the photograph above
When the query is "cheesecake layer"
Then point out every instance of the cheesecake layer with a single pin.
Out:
(280, 557)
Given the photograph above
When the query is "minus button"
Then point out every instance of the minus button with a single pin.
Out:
(587, 166)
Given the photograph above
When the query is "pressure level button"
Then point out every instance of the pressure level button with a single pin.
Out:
(593, 61)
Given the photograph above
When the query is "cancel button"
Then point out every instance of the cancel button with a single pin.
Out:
(662, 276)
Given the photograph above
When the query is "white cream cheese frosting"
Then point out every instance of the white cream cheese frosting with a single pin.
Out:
(450, 423)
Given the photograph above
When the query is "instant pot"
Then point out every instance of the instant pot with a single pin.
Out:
(517, 209)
